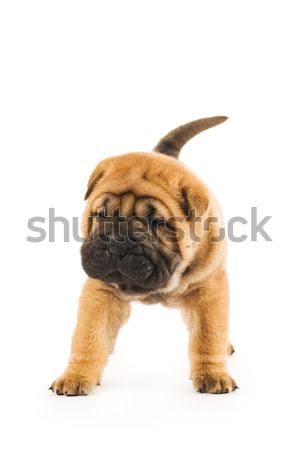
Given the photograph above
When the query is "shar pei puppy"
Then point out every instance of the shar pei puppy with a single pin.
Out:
(152, 233)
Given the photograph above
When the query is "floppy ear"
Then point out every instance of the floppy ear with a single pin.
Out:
(94, 178)
(193, 203)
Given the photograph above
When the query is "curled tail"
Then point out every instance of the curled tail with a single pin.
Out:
(172, 143)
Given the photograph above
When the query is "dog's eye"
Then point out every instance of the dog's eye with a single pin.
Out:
(101, 214)
(156, 221)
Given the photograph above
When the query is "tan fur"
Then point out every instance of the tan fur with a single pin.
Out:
(199, 287)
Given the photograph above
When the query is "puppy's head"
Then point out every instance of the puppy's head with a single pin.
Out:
(138, 219)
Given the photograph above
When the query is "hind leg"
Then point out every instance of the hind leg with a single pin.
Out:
(230, 349)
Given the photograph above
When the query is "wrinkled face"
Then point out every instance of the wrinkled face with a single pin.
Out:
(131, 243)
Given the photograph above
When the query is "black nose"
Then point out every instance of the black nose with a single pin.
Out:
(120, 247)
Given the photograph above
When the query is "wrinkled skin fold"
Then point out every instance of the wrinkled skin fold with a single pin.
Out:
(143, 269)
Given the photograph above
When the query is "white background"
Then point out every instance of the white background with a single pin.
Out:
(83, 80)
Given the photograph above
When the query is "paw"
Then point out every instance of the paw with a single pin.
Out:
(220, 383)
(231, 349)
(72, 385)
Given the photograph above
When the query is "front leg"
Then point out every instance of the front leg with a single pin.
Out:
(206, 314)
(100, 316)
